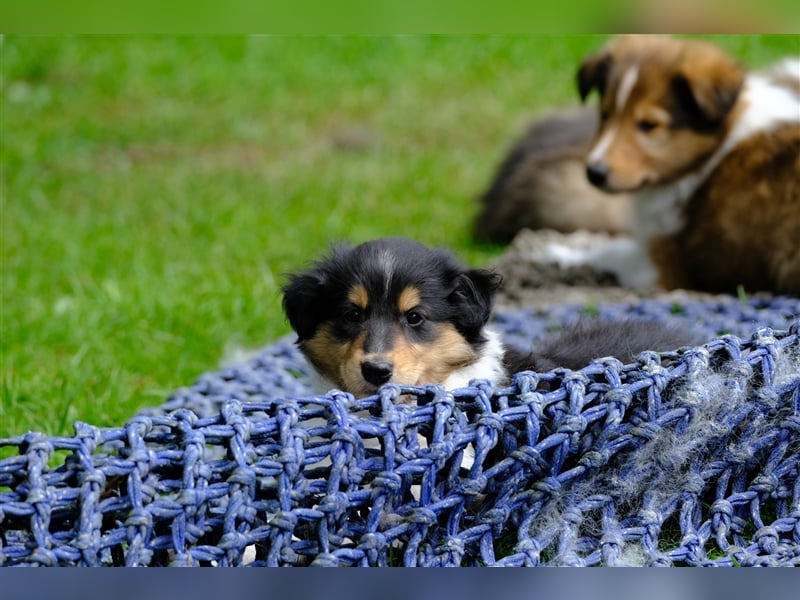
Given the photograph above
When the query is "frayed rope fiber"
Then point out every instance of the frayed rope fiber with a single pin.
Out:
(688, 457)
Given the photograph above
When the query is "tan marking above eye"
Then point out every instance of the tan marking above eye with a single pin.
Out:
(358, 296)
(409, 298)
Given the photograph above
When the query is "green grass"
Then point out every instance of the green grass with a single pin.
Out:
(155, 189)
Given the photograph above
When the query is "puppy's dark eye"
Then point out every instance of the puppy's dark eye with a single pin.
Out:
(352, 315)
(645, 125)
(414, 318)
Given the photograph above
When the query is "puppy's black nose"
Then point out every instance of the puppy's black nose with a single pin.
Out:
(597, 173)
(376, 372)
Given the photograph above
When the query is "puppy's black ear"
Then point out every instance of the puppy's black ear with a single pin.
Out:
(302, 297)
(473, 298)
(593, 74)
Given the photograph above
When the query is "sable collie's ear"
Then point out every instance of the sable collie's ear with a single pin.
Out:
(474, 296)
(302, 297)
(708, 83)
(593, 74)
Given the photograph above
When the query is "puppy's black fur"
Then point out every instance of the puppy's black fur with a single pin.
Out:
(393, 310)
(577, 345)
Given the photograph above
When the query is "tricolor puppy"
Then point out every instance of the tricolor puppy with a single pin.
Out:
(712, 156)
(393, 310)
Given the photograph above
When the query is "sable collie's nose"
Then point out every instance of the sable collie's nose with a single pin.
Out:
(376, 372)
(597, 173)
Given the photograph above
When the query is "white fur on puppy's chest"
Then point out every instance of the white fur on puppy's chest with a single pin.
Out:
(489, 366)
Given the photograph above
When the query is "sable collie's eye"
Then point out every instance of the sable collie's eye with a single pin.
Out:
(645, 125)
(414, 318)
(352, 315)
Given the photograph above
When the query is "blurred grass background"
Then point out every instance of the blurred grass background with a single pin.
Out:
(155, 189)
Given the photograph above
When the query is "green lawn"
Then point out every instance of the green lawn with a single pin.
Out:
(155, 190)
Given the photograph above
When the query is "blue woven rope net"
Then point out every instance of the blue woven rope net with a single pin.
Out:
(688, 457)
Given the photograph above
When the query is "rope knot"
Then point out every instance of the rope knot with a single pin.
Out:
(767, 539)
(422, 516)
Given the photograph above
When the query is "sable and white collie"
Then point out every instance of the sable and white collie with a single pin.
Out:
(712, 156)
(393, 310)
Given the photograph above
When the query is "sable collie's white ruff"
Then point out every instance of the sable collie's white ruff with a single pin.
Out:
(712, 157)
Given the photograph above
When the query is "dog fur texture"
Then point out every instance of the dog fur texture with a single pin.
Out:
(394, 311)
(711, 154)
(540, 183)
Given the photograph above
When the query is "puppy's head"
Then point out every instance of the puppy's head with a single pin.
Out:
(389, 310)
(665, 106)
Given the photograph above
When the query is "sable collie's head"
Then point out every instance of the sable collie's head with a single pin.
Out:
(665, 106)
(389, 310)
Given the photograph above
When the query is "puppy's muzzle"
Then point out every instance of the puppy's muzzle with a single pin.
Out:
(377, 371)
